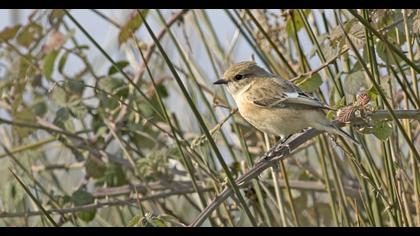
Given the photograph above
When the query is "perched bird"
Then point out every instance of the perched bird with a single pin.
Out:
(274, 105)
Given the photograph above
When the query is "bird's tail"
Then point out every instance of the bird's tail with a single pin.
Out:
(331, 128)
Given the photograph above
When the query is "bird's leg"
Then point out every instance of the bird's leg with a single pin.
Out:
(281, 143)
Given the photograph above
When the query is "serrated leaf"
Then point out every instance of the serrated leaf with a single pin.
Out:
(119, 66)
(382, 130)
(48, 64)
(356, 35)
(131, 26)
(9, 32)
(310, 84)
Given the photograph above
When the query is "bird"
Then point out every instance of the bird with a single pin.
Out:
(274, 105)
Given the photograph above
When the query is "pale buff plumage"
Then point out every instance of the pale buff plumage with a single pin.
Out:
(275, 105)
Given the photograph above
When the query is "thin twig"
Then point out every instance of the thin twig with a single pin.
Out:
(310, 73)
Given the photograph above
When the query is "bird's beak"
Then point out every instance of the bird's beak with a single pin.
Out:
(221, 81)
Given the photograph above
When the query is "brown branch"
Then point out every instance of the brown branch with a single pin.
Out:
(280, 152)
(310, 73)
(98, 205)
(176, 188)
(78, 141)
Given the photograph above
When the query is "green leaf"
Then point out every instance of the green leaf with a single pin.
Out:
(77, 108)
(354, 30)
(76, 85)
(114, 86)
(152, 221)
(30, 34)
(96, 123)
(135, 221)
(120, 66)
(297, 21)
(56, 16)
(62, 62)
(373, 93)
(59, 96)
(356, 82)
(310, 84)
(328, 51)
(48, 64)
(80, 198)
(386, 54)
(114, 176)
(62, 119)
(110, 84)
(95, 167)
(131, 26)
(162, 90)
(27, 116)
(61, 200)
(330, 115)
(9, 32)
(40, 108)
(382, 130)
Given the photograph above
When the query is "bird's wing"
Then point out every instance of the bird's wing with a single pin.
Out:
(278, 93)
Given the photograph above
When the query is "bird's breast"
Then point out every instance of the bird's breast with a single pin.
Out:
(275, 121)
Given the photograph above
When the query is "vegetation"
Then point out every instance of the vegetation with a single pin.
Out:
(141, 137)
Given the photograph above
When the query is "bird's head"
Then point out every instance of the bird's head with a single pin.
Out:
(239, 75)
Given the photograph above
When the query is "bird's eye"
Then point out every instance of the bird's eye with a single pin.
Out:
(239, 77)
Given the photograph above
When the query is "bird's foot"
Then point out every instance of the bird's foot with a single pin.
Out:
(280, 145)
